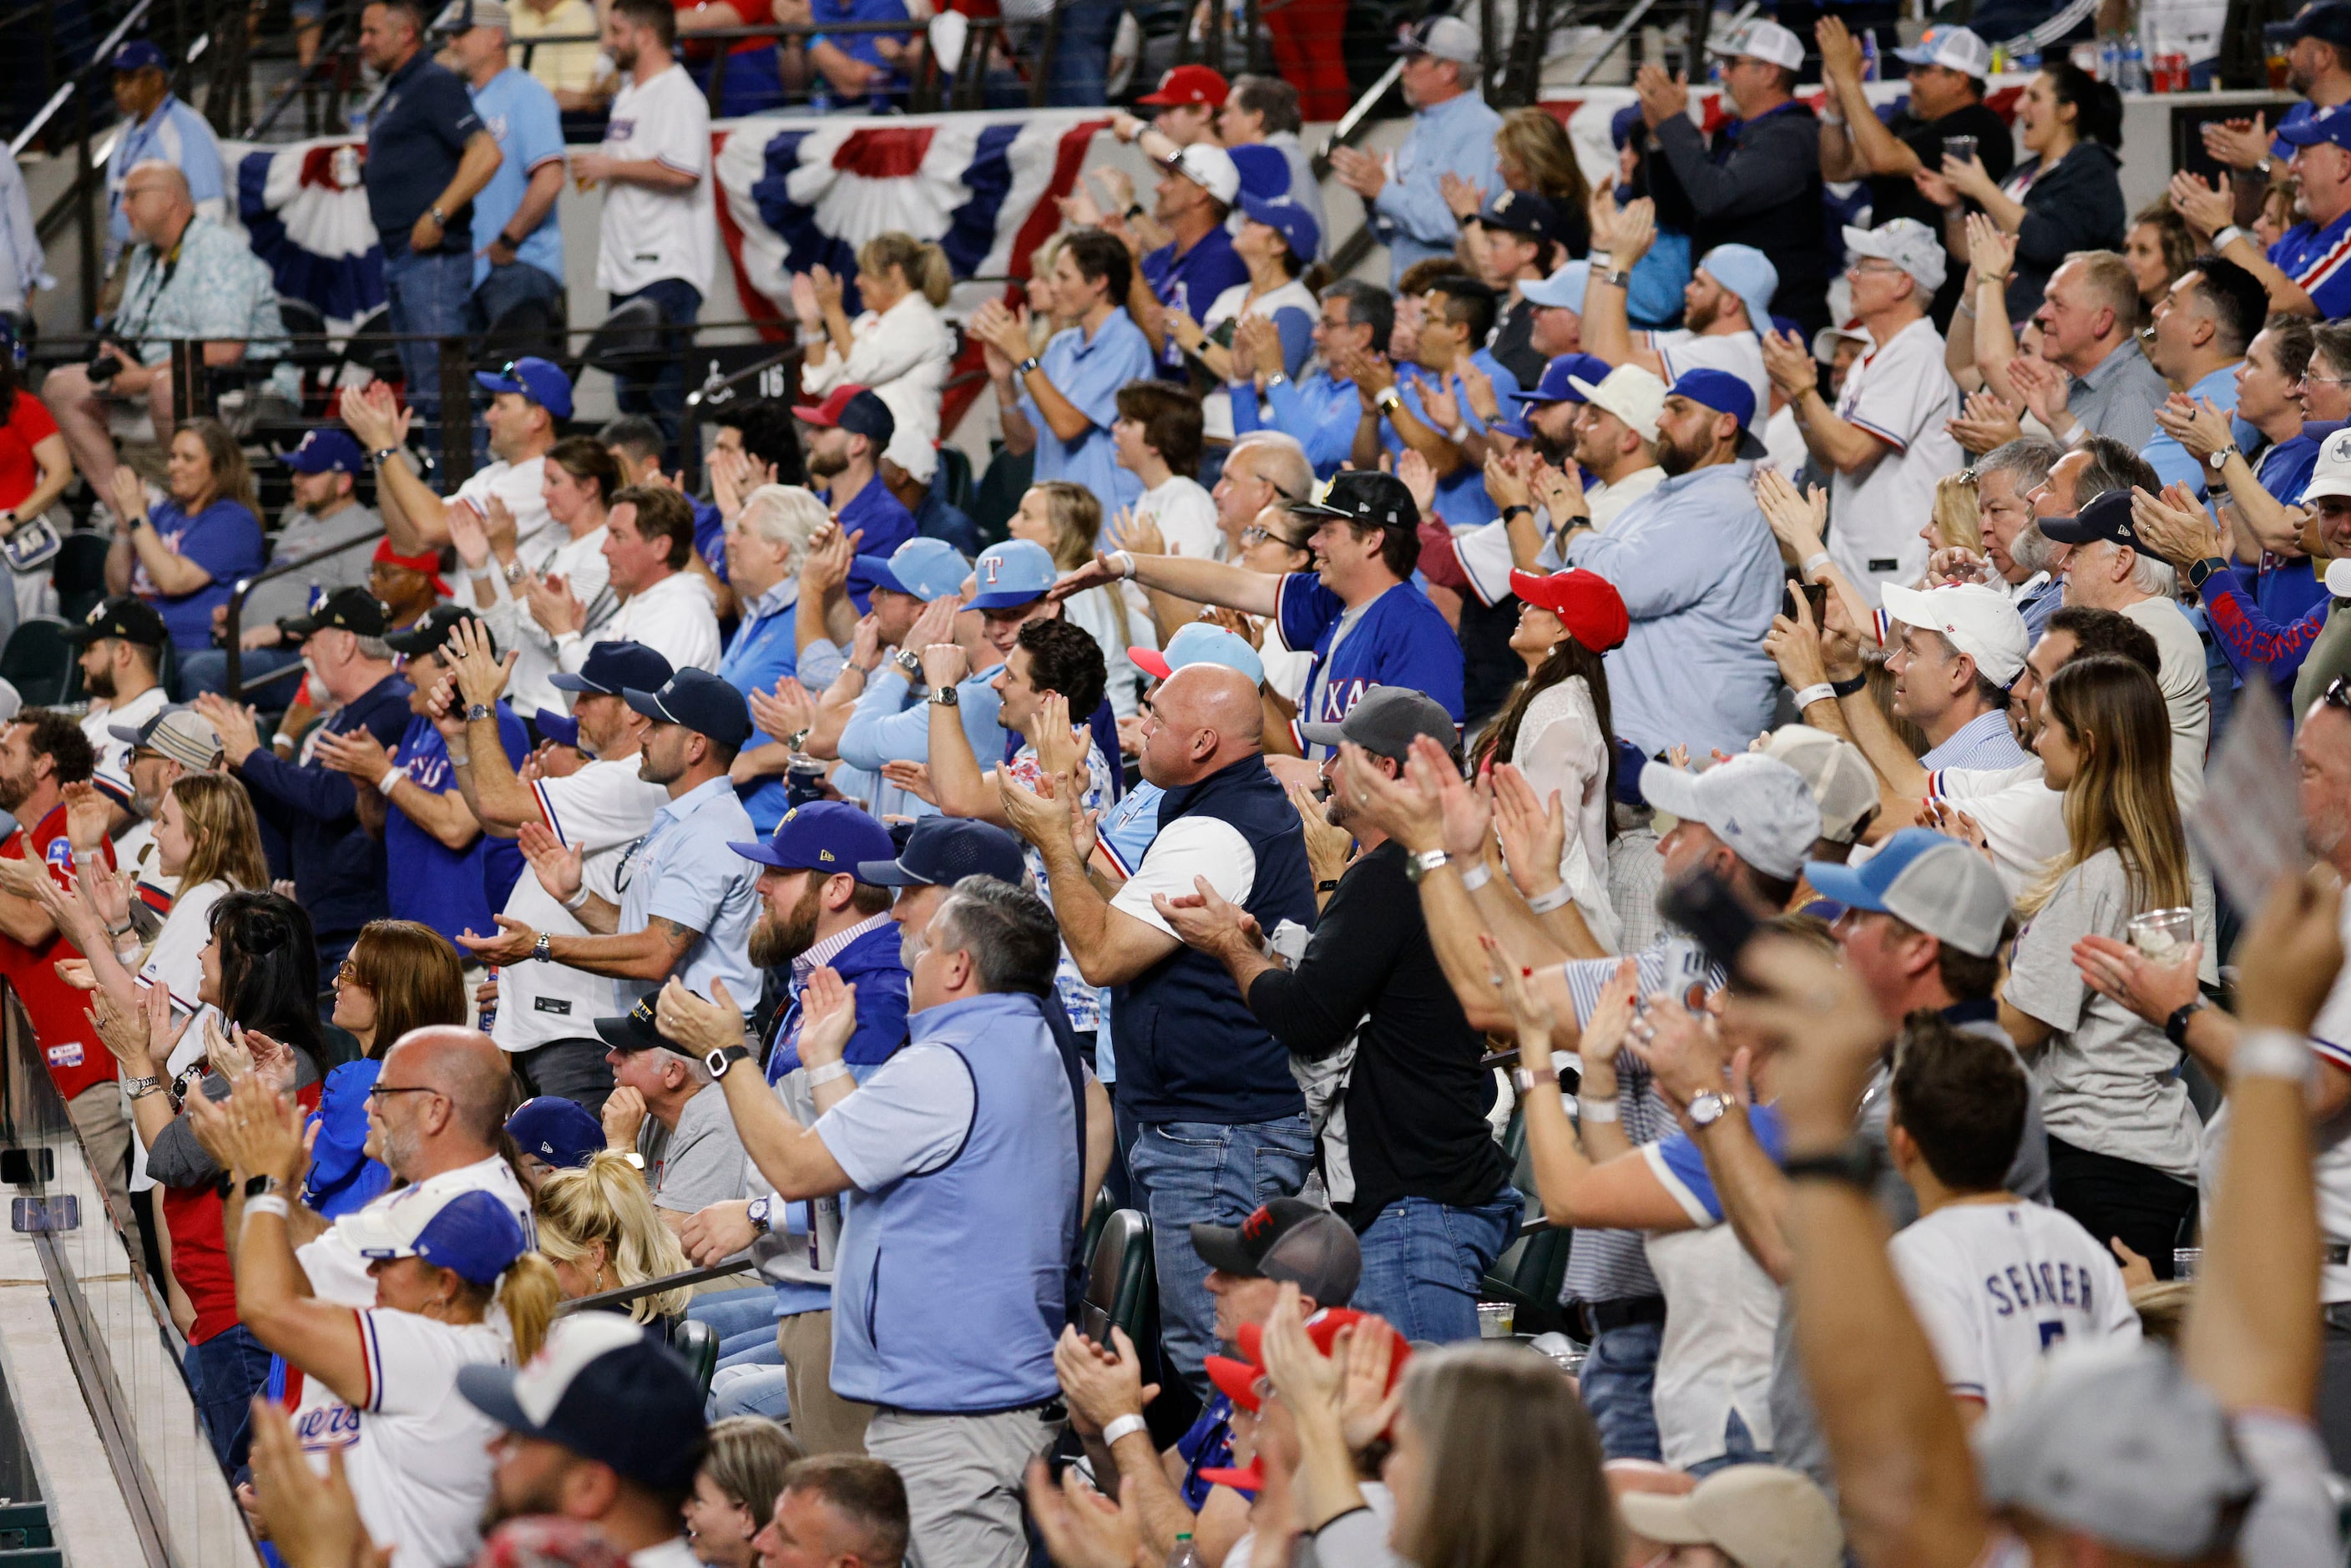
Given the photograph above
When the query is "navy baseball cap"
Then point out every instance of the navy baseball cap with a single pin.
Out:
(1559, 379)
(556, 1130)
(430, 635)
(854, 410)
(558, 727)
(1264, 171)
(943, 851)
(1521, 212)
(824, 835)
(351, 609)
(323, 451)
(2329, 24)
(1014, 573)
(1725, 393)
(922, 569)
(541, 380)
(2108, 518)
(1293, 223)
(1366, 498)
(611, 668)
(699, 700)
(471, 1233)
(635, 1030)
(606, 1390)
(140, 55)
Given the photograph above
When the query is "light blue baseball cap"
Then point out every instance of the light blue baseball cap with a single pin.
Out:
(1012, 574)
(923, 569)
(1562, 288)
(1748, 272)
(1200, 643)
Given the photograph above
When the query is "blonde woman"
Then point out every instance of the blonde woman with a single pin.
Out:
(1957, 520)
(597, 1227)
(735, 1491)
(899, 347)
(1066, 519)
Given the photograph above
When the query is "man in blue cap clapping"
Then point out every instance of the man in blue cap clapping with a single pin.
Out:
(528, 399)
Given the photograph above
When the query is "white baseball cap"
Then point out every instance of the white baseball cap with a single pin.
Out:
(1907, 244)
(1979, 621)
(1758, 805)
(1953, 48)
(2331, 473)
(1841, 779)
(1633, 394)
(1825, 341)
(1209, 166)
(1763, 1516)
(1764, 41)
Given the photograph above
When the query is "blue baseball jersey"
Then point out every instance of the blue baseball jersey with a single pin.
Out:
(2316, 259)
(1399, 639)
(449, 890)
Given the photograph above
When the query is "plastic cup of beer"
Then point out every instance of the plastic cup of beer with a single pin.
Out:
(2163, 936)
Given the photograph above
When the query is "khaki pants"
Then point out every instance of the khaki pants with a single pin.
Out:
(103, 1123)
(964, 1476)
(824, 1422)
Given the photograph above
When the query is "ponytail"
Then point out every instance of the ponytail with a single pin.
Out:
(932, 275)
(2097, 105)
(923, 263)
(530, 1292)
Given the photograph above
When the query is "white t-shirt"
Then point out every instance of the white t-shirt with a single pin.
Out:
(650, 234)
(1740, 353)
(1716, 1356)
(2186, 695)
(674, 618)
(1902, 394)
(519, 484)
(2023, 819)
(1187, 847)
(582, 565)
(1216, 407)
(1185, 515)
(339, 1274)
(1996, 1285)
(1561, 748)
(1606, 501)
(421, 1469)
(176, 960)
(602, 810)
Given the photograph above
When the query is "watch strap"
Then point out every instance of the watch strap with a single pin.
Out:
(1854, 1161)
(725, 1057)
(2200, 571)
(2174, 1027)
(1848, 688)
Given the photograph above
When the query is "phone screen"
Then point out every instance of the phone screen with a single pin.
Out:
(1816, 598)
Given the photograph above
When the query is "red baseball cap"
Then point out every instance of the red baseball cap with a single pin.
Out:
(1236, 1380)
(1189, 84)
(1586, 603)
(426, 562)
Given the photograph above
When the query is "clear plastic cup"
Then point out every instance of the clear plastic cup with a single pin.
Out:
(2185, 1261)
(2162, 935)
(1497, 1320)
(1962, 148)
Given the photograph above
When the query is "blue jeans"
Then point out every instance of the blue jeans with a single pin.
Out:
(206, 670)
(1190, 1173)
(426, 294)
(1619, 1384)
(664, 394)
(750, 1390)
(504, 287)
(743, 1321)
(1738, 1449)
(1423, 1263)
(224, 1374)
(1081, 52)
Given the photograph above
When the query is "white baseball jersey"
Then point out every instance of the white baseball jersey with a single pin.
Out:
(1996, 1285)
(649, 234)
(1901, 394)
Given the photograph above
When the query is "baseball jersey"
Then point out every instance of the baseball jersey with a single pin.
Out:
(521, 116)
(421, 1469)
(2315, 257)
(1398, 639)
(112, 777)
(1996, 1285)
(651, 234)
(522, 485)
(1902, 394)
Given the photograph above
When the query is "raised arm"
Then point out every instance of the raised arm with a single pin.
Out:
(1203, 581)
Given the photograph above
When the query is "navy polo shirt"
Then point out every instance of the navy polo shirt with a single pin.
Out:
(1191, 282)
(449, 890)
(885, 523)
(415, 143)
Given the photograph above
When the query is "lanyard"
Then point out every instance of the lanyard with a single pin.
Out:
(150, 292)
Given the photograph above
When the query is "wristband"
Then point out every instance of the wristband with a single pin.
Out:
(827, 1073)
(1124, 1426)
(1509, 512)
(1848, 688)
(1559, 898)
(577, 901)
(2226, 238)
(1818, 692)
(1122, 561)
(2272, 1054)
(388, 782)
(461, 760)
(268, 1203)
(1388, 397)
(1476, 877)
(1590, 1110)
(1813, 562)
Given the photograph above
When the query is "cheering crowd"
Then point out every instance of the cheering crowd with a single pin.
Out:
(1722, 767)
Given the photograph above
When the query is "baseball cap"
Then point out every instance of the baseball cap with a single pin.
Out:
(700, 702)
(1200, 643)
(1366, 498)
(1586, 603)
(2330, 475)
(178, 732)
(1959, 49)
(1633, 394)
(1759, 1516)
(2108, 517)
(1445, 37)
(824, 835)
(604, 1388)
(854, 410)
(427, 561)
(460, 15)
(1189, 84)
(353, 610)
(1209, 166)
(1287, 1240)
(2115, 1440)
(559, 727)
(1762, 40)
(2327, 125)
(1904, 242)
(1927, 880)
(634, 1030)
(1012, 574)
(924, 568)
(470, 1232)
(1386, 720)
(2329, 24)
(140, 55)
(1296, 225)
(556, 1130)
(942, 851)
(541, 380)
(611, 668)
(1979, 621)
(1519, 211)
(1561, 379)
(1748, 272)
(1757, 805)
(1840, 778)
(323, 450)
(1825, 341)
(1563, 289)
(428, 635)
(125, 616)
(1265, 173)
(1725, 393)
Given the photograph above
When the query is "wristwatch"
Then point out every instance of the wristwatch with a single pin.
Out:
(758, 1214)
(259, 1186)
(2220, 460)
(909, 661)
(477, 710)
(540, 951)
(140, 1088)
(1706, 1107)
(1420, 866)
(947, 696)
(1388, 397)
(1025, 366)
(2174, 1027)
(383, 454)
(725, 1056)
(2198, 571)
(440, 219)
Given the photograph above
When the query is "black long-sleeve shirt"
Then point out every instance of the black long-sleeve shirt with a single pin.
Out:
(1417, 1099)
(1758, 183)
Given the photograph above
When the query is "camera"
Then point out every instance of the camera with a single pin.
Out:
(104, 368)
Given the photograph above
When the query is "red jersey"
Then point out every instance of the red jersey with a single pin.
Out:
(77, 1059)
(28, 423)
(755, 14)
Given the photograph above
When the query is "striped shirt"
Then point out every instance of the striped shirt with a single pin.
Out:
(1984, 741)
(2316, 259)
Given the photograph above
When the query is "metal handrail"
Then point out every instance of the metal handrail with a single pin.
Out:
(101, 59)
(234, 627)
(603, 1300)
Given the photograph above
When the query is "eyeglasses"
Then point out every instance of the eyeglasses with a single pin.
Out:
(348, 974)
(378, 1090)
(1253, 536)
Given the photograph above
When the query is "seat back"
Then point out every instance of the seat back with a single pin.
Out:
(38, 662)
(698, 1342)
(955, 482)
(629, 336)
(1118, 1278)
(79, 574)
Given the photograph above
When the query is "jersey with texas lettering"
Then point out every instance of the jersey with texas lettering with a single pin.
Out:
(1997, 1285)
(1399, 639)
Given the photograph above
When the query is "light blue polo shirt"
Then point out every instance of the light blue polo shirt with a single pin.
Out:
(174, 134)
(682, 869)
(520, 115)
(1088, 373)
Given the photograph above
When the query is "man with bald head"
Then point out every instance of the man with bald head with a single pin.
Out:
(1208, 1111)
(188, 277)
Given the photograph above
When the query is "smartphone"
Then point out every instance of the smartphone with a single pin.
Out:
(1816, 599)
(1703, 904)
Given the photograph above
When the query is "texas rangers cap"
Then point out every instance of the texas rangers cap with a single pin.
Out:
(924, 568)
(1927, 881)
(825, 836)
(559, 727)
(470, 1231)
(1725, 393)
(611, 668)
(698, 700)
(322, 449)
(608, 1391)
(1293, 223)
(1009, 575)
(1560, 378)
(1757, 805)
(541, 380)
(942, 851)
(125, 616)
(140, 55)
(2329, 23)
(1287, 1240)
(2327, 125)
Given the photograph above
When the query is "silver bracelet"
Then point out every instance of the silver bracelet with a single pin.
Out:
(1818, 692)
(1559, 898)
(2272, 1054)
(1476, 877)
(827, 1073)
(1590, 1110)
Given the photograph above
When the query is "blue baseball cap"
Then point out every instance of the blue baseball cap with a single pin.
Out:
(611, 668)
(1012, 574)
(924, 568)
(558, 727)
(1560, 376)
(556, 1130)
(943, 851)
(1562, 289)
(541, 380)
(824, 835)
(1264, 171)
(606, 1390)
(472, 1233)
(1200, 643)
(140, 55)
(323, 451)
(2326, 125)
(699, 700)
(1718, 390)
(1296, 225)
(1929, 882)
(1748, 272)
